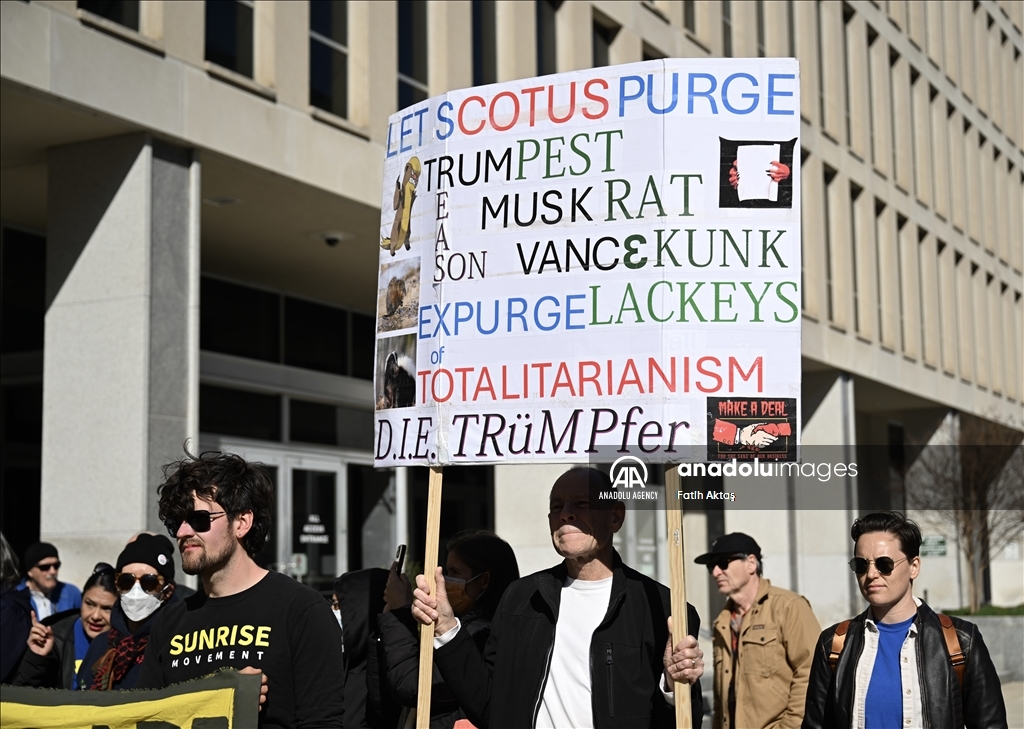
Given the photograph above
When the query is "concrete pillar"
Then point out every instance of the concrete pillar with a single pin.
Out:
(521, 496)
(120, 372)
(820, 536)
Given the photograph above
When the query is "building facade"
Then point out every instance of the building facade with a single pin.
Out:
(188, 188)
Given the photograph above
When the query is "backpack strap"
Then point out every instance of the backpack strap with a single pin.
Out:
(838, 640)
(956, 654)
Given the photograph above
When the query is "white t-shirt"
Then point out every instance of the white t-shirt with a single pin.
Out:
(566, 701)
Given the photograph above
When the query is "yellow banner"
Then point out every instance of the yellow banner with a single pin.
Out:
(225, 700)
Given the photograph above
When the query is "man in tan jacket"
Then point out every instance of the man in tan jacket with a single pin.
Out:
(763, 642)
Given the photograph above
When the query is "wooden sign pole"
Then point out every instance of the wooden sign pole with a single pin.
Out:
(677, 582)
(427, 631)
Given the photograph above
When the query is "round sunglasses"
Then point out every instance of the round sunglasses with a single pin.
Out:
(125, 581)
(884, 565)
(199, 520)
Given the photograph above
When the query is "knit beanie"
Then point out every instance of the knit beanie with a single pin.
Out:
(37, 552)
(152, 550)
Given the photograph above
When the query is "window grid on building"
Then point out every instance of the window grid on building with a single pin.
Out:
(910, 246)
(229, 35)
(413, 78)
(328, 56)
(122, 12)
(547, 36)
(485, 60)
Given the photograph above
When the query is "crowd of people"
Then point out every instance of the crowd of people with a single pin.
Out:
(586, 643)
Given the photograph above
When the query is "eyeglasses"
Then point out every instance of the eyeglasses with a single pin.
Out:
(199, 520)
(48, 566)
(884, 565)
(723, 563)
(102, 568)
(125, 581)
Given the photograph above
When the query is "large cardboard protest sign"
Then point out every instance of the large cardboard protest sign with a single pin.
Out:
(607, 258)
(224, 700)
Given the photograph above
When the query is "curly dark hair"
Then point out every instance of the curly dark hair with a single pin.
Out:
(484, 551)
(233, 482)
(891, 522)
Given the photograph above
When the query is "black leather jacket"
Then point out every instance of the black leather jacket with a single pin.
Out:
(502, 688)
(56, 669)
(979, 705)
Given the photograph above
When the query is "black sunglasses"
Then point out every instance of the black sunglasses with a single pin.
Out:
(199, 520)
(49, 566)
(125, 581)
(722, 563)
(884, 565)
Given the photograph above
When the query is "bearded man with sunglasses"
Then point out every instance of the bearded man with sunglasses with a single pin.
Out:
(763, 641)
(899, 664)
(219, 506)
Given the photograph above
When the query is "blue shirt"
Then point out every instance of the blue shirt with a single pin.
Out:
(883, 707)
(82, 642)
(64, 597)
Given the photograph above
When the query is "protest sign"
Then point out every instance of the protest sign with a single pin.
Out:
(226, 700)
(603, 258)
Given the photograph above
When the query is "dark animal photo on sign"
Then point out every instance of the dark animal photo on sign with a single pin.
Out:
(398, 295)
(395, 380)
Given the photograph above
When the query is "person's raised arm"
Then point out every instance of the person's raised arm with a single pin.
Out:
(40, 637)
(466, 672)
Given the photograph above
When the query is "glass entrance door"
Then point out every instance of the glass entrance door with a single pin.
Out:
(373, 516)
(315, 533)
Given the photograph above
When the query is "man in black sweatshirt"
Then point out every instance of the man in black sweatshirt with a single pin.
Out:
(219, 509)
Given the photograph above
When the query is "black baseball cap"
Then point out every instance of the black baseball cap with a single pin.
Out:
(735, 543)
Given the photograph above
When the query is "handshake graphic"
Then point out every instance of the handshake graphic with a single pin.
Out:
(755, 436)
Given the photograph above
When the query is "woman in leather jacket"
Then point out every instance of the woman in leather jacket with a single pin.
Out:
(893, 665)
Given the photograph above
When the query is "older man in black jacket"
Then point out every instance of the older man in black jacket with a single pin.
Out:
(583, 644)
(896, 664)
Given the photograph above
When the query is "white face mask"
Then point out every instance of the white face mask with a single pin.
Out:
(139, 604)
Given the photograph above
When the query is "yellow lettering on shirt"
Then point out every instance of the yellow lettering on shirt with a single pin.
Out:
(263, 636)
(245, 637)
(206, 639)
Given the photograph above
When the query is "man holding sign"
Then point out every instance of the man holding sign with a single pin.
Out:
(586, 643)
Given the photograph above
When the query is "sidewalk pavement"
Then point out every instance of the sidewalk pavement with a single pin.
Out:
(1013, 695)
